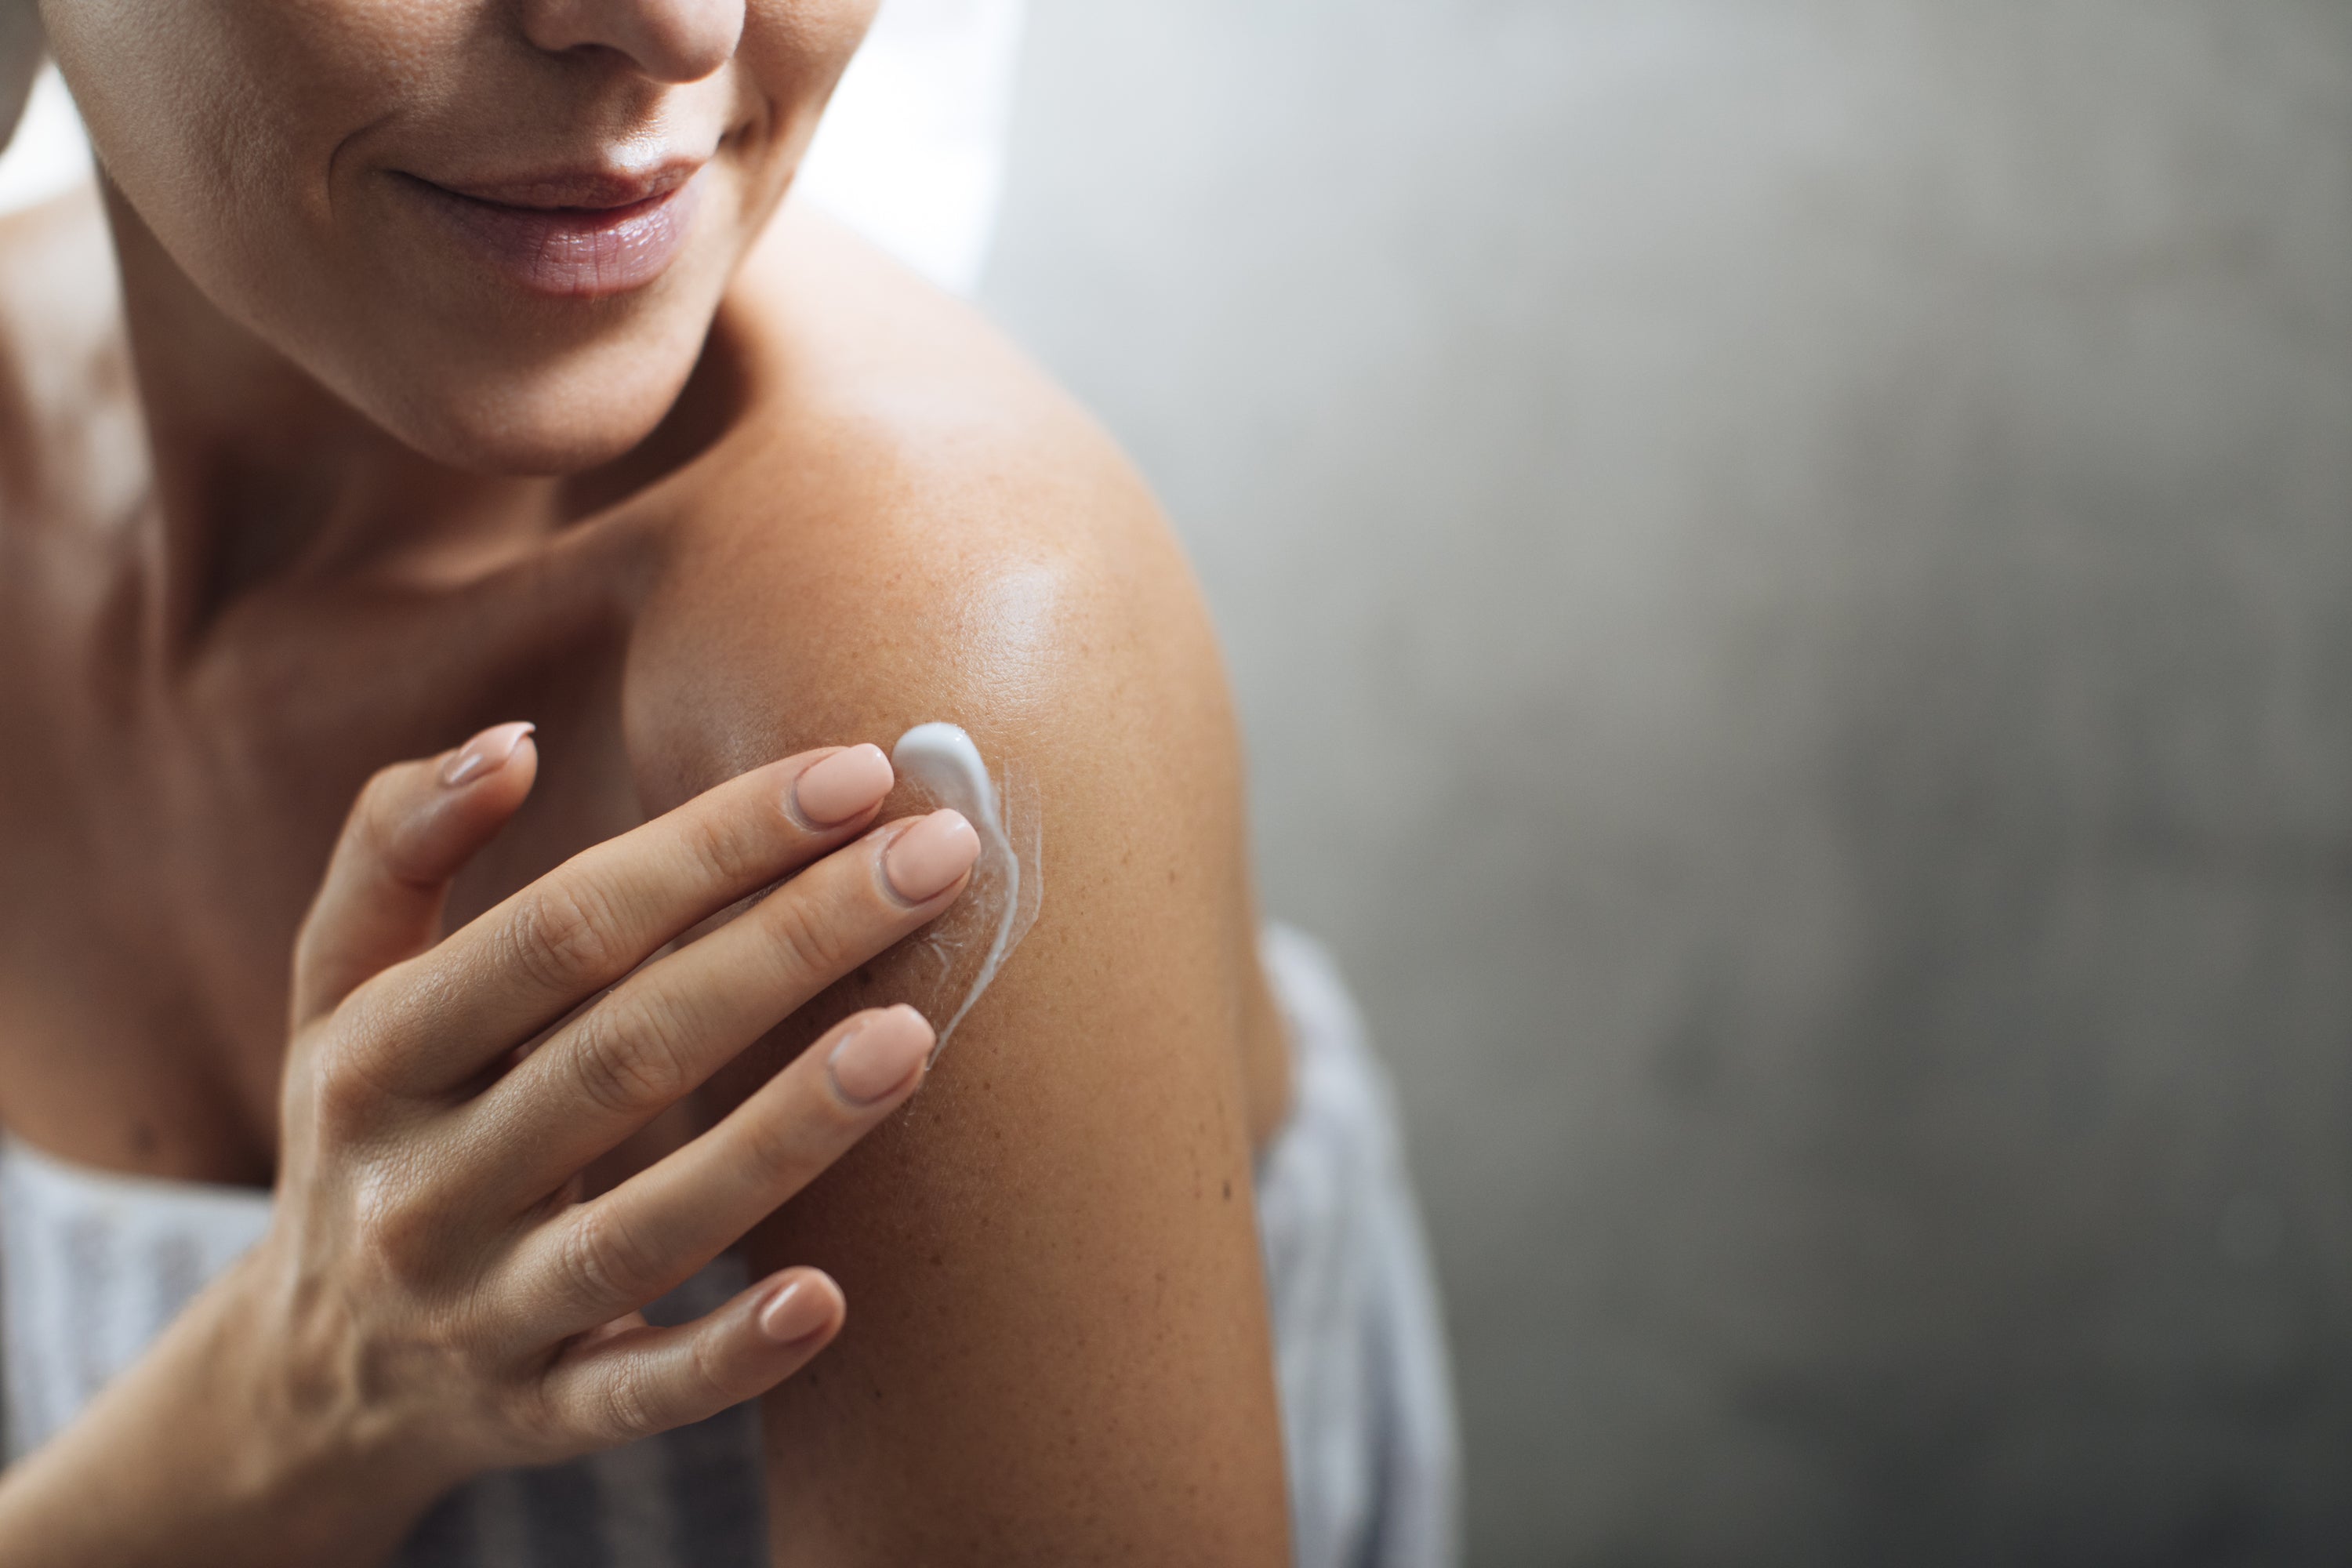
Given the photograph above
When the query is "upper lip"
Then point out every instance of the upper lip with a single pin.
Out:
(592, 189)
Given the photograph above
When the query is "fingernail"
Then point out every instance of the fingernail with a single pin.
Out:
(794, 1312)
(924, 860)
(880, 1054)
(484, 754)
(842, 785)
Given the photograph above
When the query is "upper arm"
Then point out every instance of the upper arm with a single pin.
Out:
(1057, 1346)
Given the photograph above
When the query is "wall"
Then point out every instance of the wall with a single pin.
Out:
(1787, 564)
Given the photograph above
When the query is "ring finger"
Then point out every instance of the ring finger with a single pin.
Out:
(657, 1037)
(616, 1253)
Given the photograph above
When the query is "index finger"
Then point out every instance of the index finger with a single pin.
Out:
(446, 1015)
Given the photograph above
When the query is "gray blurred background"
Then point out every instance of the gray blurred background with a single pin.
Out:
(1788, 569)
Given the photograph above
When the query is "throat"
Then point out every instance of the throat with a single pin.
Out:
(236, 529)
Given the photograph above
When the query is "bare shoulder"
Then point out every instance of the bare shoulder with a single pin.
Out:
(916, 524)
(1056, 1315)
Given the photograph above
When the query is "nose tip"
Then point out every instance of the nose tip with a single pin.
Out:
(669, 40)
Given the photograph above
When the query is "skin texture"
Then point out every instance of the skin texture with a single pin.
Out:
(434, 1295)
(1054, 1259)
(273, 519)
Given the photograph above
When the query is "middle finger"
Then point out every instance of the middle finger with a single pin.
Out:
(611, 1070)
(446, 1015)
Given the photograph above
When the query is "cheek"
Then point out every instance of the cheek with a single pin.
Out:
(152, 84)
(244, 132)
(816, 29)
(220, 122)
(790, 59)
(793, 52)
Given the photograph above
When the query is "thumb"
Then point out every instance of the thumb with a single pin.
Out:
(414, 827)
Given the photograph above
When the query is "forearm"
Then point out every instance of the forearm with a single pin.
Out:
(435, 1297)
(182, 1460)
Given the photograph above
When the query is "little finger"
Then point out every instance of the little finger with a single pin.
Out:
(615, 1389)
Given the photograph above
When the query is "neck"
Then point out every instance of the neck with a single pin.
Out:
(261, 474)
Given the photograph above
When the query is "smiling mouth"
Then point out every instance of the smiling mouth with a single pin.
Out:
(571, 236)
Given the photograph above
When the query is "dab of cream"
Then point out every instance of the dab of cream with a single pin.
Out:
(1006, 887)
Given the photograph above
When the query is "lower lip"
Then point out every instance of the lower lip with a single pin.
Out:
(571, 253)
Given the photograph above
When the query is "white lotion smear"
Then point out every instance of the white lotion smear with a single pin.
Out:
(997, 908)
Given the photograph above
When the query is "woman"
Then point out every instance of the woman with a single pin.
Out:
(453, 362)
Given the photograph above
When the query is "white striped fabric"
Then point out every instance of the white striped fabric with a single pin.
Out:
(1367, 1394)
(93, 1265)
(107, 1261)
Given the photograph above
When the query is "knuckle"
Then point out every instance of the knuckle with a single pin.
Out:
(785, 1149)
(628, 1404)
(607, 1261)
(807, 933)
(726, 849)
(358, 1038)
(344, 1103)
(628, 1056)
(714, 1388)
(562, 938)
(403, 1240)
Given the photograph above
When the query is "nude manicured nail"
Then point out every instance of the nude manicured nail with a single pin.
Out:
(880, 1054)
(840, 785)
(794, 1312)
(926, 859)
(484, 754)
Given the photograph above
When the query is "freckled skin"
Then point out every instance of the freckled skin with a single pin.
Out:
(1057, 1347)
(1084, 1361)
(311, 493)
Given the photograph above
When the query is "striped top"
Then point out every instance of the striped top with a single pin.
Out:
(93, 1266)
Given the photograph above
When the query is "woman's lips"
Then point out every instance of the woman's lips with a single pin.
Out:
(591, 250)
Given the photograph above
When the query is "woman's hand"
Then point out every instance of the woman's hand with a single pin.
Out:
(434, 1297)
